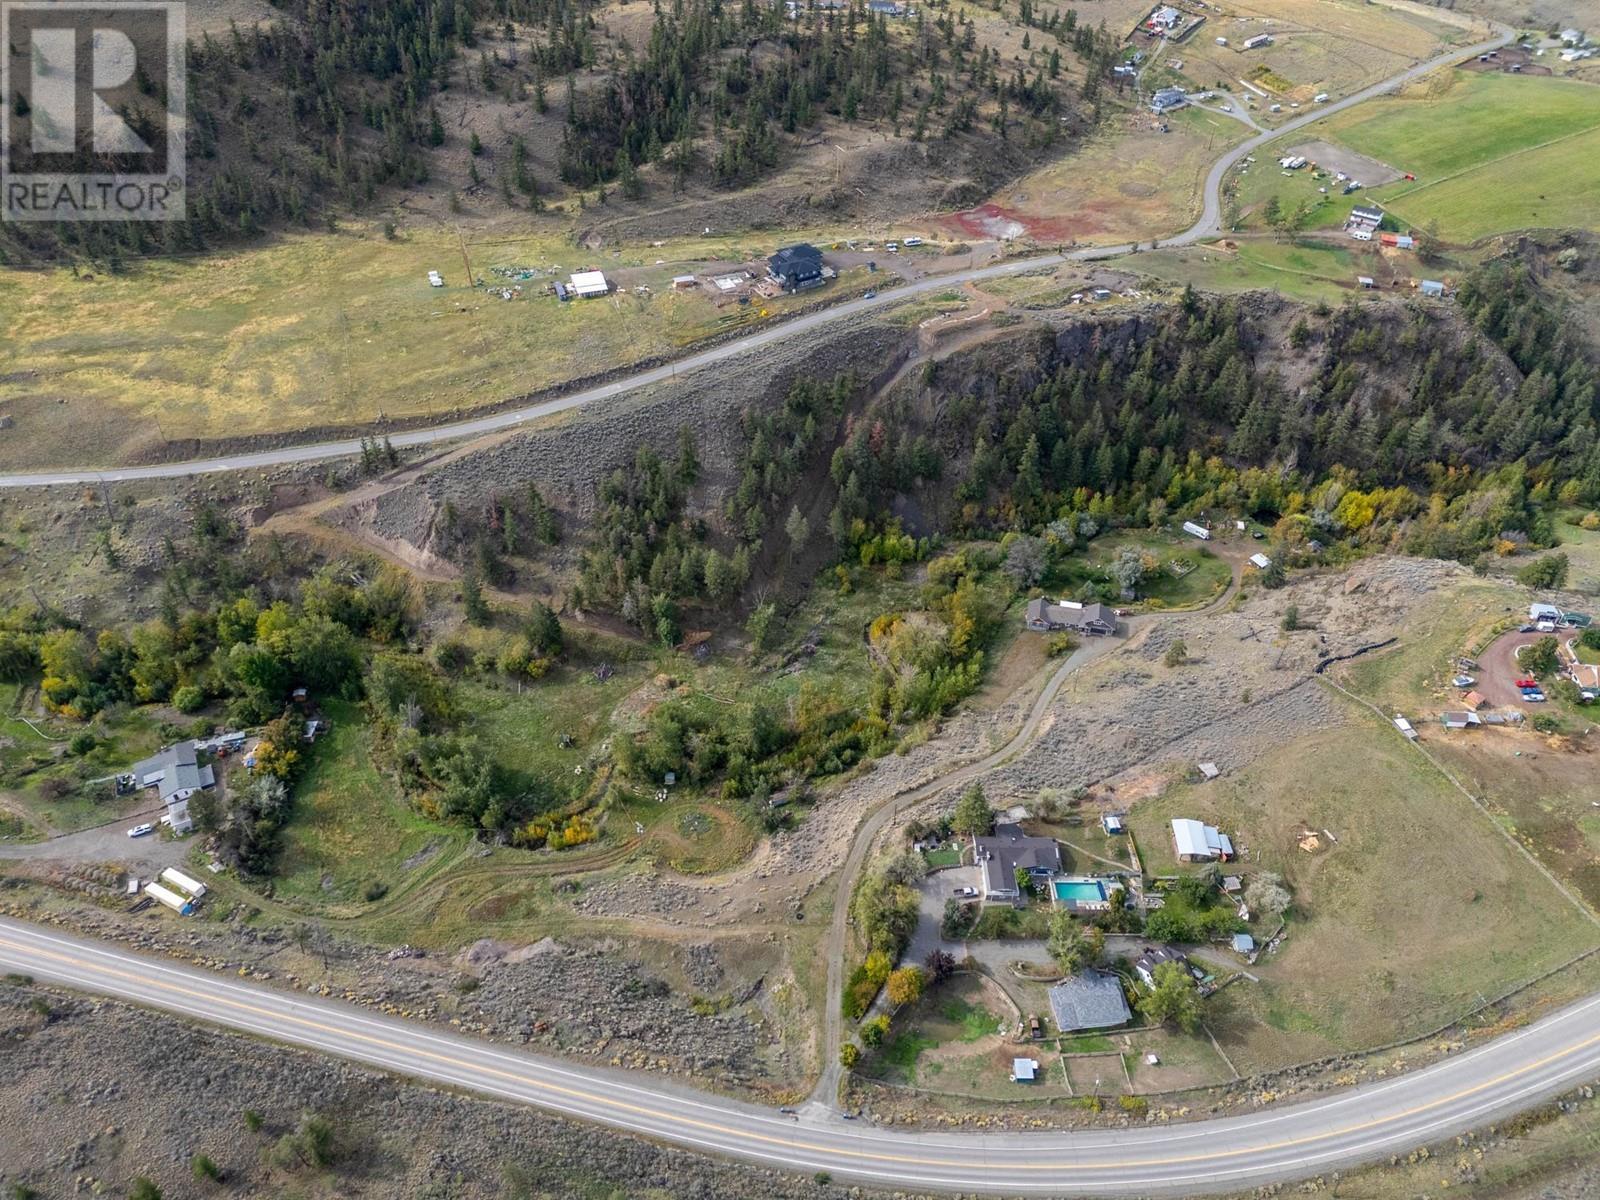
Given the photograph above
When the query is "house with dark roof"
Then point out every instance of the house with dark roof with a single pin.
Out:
(797, 267)
(1009, 850)
(1094, 620)
(1145, 965)
(1089, 1000)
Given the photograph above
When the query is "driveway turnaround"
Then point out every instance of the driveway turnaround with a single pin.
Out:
(1354, 1126)
(1207, 226)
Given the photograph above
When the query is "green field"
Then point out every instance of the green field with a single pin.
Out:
(1312, 272)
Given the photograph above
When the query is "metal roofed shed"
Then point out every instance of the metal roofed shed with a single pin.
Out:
(1243, 943)
(1209, 769)
(587, 284)
(1195, 841)
(1089, 1000)
(1260, 562)
(1024, 1070)
(1432, 287)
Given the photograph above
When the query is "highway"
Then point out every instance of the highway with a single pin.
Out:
(1207, 226)
(1350, 1127)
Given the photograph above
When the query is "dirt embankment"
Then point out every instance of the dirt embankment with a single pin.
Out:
(79, 1083)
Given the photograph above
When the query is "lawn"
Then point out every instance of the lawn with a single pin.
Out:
(351, 834)
(1311, 272)
(1186, 574)
(1414, 906)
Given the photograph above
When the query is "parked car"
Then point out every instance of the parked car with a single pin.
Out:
(1035, 1030)
(1525, 629)
(966, 892)
(141, 830)
(1463, 681)
(913, 241)
(869, 295)
(1527, 683)
(1534, 697)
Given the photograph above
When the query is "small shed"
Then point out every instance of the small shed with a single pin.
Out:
(683, 283)
(1474, 700)
(1209, 770)
(1243, 943)
(1260, 562)
(1112, 823)
(1432, 287)
(1366, 281)
(1404, 726)
(1024, 1070)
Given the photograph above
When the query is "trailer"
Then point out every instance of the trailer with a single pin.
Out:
(178, 904)
(1199, 531)
(184, 883)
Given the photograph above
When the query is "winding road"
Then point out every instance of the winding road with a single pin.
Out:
(1359, 1125)
(1354, 1126)
(1208, 225)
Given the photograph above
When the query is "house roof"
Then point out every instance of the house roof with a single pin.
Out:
(1199, 839)
(1152, 958)
(1089, 1000)
(172, 770)
(1009, 849)
(1070, 613)
(802, 258)
(587, 283)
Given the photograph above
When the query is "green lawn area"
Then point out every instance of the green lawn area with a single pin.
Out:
(972, 1020)
(1187, 575)
(351, 831)
(1481, 117)
(1310, 272)
(945, 856)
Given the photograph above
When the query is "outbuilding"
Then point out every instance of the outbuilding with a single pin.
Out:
(1195, 841)
(588, 284)
(1260, 562)
(1197, 530)
(1432, 287)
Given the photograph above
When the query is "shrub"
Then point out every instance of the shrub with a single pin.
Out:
(204, 1168)
(1547, 572)
(849, 1055)
(81, 743)
(143, 1189)
(874, 1031)
(188, 699)
(1060, 644)
(1177, 654)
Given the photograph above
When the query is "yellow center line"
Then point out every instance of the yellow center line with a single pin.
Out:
(790, 1143)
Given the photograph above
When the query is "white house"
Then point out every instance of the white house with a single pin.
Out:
(1544, 612)
(585, 284)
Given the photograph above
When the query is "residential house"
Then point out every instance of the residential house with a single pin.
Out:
(1195, 841)
(1164, 19)
(885, 8)
(1572, 37)
(797, 267)
(1168, 99)
(1094, 620)
(1544, 612)
(176, 774)
(1145, 965)
(1089, 1000)
(1008, 851)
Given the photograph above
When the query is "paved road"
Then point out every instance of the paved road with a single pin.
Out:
(1206, 226)
(1359, 1125)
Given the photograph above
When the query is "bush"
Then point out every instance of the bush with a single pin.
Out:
(81, 743)
(1547, 572)
(204, 1168)
(143, 1189)
(874, 1031)
(1177, 654)
(1060, 644)
(188, 699)
(849, 1055)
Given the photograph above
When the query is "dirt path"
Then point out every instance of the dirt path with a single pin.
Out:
(827, 1089)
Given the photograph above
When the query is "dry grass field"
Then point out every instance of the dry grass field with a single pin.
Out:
(317, 330)
(1415, 905)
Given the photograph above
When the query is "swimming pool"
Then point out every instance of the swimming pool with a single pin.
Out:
(1080, 891)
